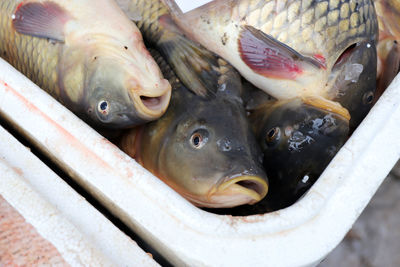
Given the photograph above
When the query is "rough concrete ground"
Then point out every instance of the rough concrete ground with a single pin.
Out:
(374, 239)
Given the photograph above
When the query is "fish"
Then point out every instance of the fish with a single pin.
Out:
(203, 146)
(89, 56)
(354, 83)
(388, 13)
(287, 48)
(388, 63)
(192, 63)
(298, 140)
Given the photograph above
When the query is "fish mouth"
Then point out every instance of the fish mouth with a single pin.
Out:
(152, 107)
(237, 191)
(143, 110)
(327, 105)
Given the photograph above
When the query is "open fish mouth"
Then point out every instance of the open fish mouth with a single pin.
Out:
(152, 107)
(237, 191)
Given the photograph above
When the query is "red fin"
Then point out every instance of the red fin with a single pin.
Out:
(321, 59)
(267, 56)
(44, 20)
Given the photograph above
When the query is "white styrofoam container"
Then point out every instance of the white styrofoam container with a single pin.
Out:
(300, 235)
(54, 219)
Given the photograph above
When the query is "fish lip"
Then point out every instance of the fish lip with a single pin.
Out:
(137, 115)
(152, 111)
(327, 105)
(231, 193)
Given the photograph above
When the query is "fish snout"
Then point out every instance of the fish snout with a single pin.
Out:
(151, 103)
(238, 190)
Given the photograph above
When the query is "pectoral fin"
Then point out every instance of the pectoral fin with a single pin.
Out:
(44, 20)
(271, 58)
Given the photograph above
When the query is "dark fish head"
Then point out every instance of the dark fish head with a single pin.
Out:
(353, 80)
(298, 141)
(115, 100)
(203, 146)
(208, 154)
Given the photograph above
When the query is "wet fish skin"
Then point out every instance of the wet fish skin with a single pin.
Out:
(355, 81)
(203, 147)
(318, 30)
(298, 142)
(309, 137)
(192, 63)
(97, 68)
(146, 14)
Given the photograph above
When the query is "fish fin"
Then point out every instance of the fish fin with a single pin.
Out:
(271, 58)
(389, 66)
(194, 65)
(44, 20)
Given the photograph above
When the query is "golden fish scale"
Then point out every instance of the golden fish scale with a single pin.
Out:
(37, 58)
(151, 11)
(311, 26)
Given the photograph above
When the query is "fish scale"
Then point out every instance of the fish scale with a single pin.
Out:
(90, 58)
(192, 63)
(151, 11)
(340, 20)
(31, 56)
(286, 48)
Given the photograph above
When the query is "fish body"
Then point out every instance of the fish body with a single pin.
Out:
(203, 147)
(298, 141)
(354, 81)
(192, 63)
(286, 48)
(86, 54)
(388, 13)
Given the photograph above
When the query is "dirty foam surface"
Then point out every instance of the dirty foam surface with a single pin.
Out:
(21, 244)
(374, 239)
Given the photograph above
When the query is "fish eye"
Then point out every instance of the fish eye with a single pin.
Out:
(103, 107)
(368, 97)
(198, 140)
(273, 135)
